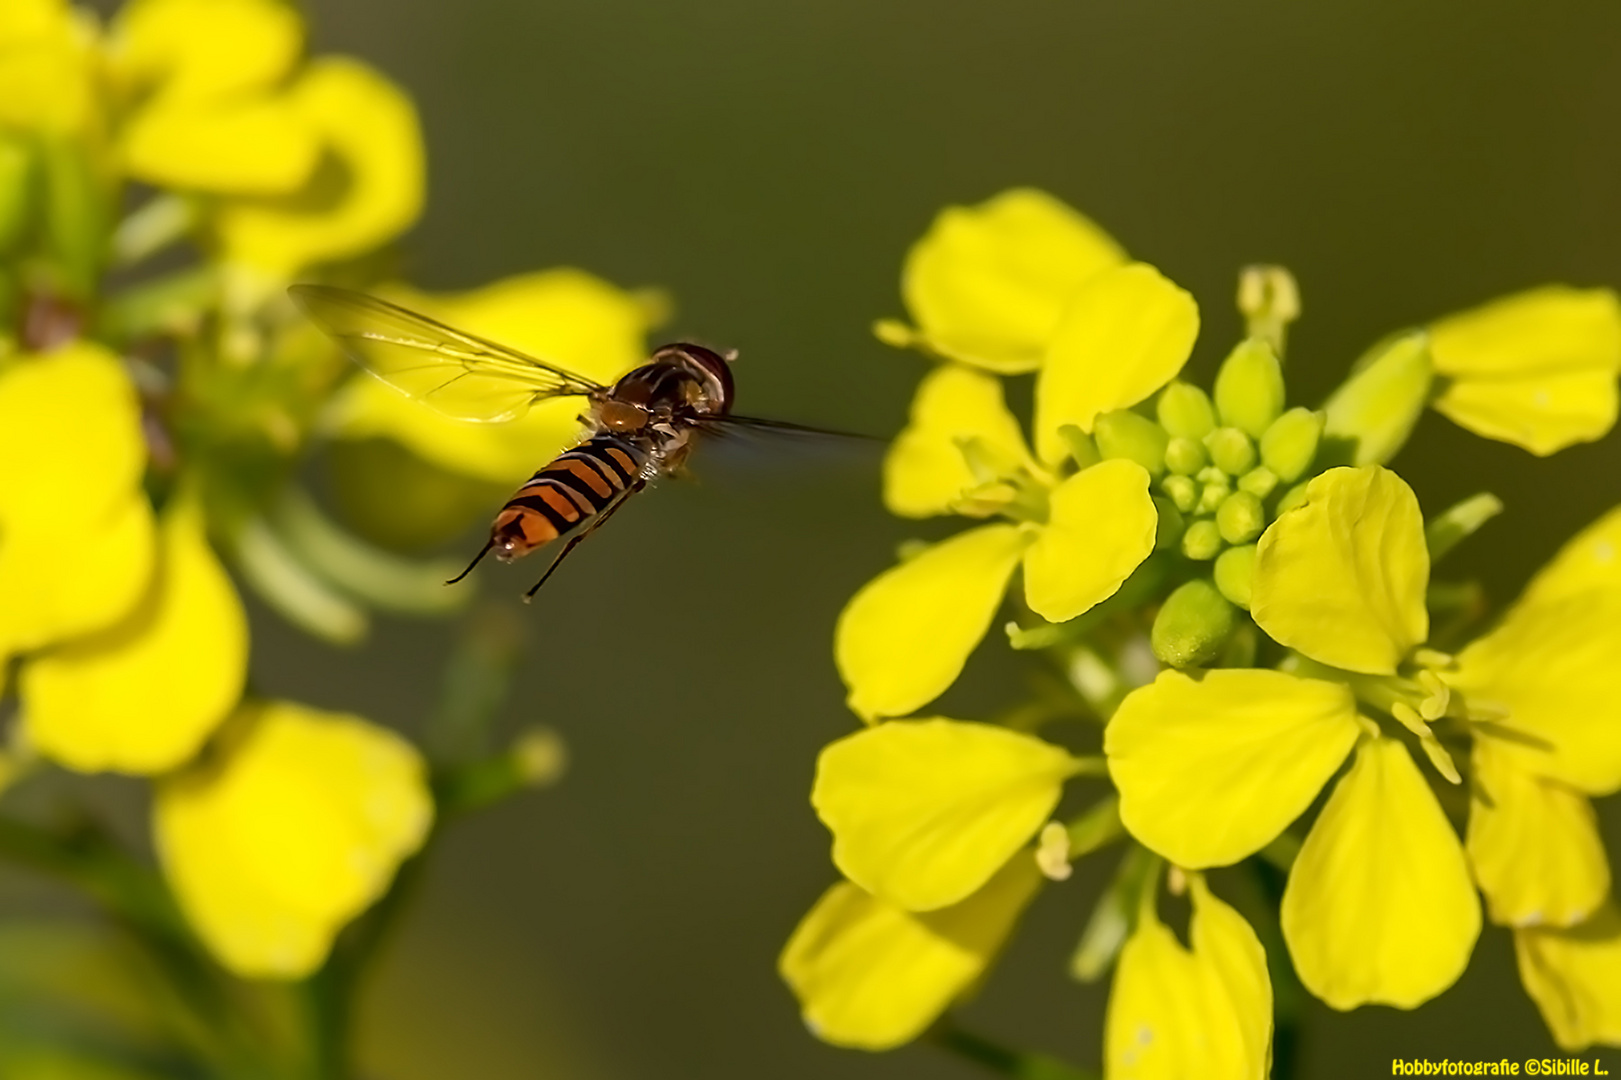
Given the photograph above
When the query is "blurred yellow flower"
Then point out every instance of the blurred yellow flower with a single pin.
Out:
(871, 975)
(923, 812)
(76, 531)
(1176, 1012)
(369, 189)
(48, 80)
(210, 111)
(1536, 369)
(295, 827)
(565, 316)
(988, 283)
(1574, 976)
(141, 695)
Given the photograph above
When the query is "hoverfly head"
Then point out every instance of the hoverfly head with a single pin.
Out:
(712, 370)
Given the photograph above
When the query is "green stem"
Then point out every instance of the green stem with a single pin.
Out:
(1020, 1064)
(136, 900)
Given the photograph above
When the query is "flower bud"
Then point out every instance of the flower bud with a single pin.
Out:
(1240, 518)
(1231, 450)
(1235, 574)
(1458, 522)
(1193, 624)
(1201, 541)
(1260, 482)
(1183, 491)
(1249, 387)
(1185, 411)
(1212, 495)
(1185, 456)
(1292, 498)
(1373, 412)
(1290, 444)
(1125, 434)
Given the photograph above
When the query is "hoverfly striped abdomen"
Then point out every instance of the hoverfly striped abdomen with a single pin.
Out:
(568, 493)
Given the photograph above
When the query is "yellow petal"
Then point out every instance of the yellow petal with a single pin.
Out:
(75, 529)
(1341, 578)
(925, 470)
(48, 63)
(1590, 560)
(1534, 846)
(564, 315)
(872, 976)
(1101, 528)
(923, 812)
(1213, 769)
(1547, 330)
(987, 283)
(292, 832)
(1551, 666)
(1125, 334)
(1574, 976)
(256, 146)
(1542, 413)
(204, 48)
(1379, 908)
(371, 192)
(141, 696)
(905, 636)
(1206, 1012)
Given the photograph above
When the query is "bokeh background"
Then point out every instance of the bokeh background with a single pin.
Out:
(769, 164)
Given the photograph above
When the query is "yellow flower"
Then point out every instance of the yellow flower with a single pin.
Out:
(1379, 907)
(564, 315)
(1212, 769)
(1533, 844)
(1550, 666)
(371, 192)
(958, 410)
(1574, 976)
(47, 68)
(295, 828)
(76, 533)
(1536, 369)
(924, 812)
(1341, 578)
(870, 974)
(987, 284)
(1176, 1012)
(904, 637)
(211, 114)
(141, 695)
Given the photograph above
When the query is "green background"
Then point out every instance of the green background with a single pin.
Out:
(769, 163)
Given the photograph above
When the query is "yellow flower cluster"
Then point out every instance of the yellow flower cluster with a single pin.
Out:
(150, 435)
(1279, 574)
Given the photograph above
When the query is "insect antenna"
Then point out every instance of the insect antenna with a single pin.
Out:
(482, 552)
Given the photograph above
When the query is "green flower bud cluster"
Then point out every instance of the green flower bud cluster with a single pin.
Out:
(1224, 466)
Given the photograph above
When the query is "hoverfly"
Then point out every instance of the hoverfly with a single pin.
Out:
(642, 427)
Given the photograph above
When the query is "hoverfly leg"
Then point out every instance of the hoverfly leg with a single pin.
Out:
(482, 552)
(574, 541)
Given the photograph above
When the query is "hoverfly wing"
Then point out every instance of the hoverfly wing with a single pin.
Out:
(458, 374)
(730, 425)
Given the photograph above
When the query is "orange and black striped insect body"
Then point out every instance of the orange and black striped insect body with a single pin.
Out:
(642, 427)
